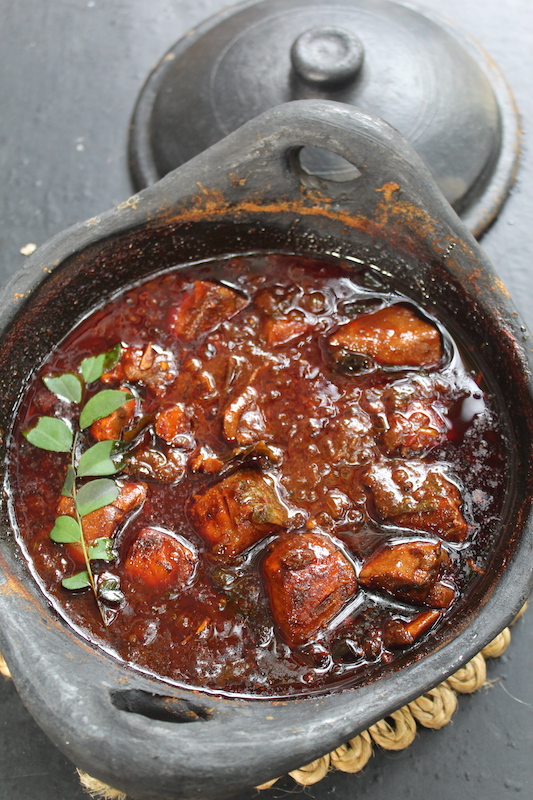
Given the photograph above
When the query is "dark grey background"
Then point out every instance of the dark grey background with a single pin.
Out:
(70, 73)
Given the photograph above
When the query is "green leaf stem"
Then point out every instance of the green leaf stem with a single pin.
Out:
(51, 433)
(101, 405)
(101, 459)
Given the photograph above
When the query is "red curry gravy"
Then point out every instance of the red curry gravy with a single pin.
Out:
(313, 479)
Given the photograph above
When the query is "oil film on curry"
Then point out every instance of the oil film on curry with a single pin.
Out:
(262, 475)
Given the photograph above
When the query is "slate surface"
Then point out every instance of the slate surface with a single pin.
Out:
(71, 70)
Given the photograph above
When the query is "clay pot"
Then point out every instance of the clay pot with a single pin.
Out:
(249, 193)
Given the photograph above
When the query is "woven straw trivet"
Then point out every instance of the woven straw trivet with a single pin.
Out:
(434, 710)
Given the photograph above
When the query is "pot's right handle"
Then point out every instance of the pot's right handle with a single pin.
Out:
(260, 160)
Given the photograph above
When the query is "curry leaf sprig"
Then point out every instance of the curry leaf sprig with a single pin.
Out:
(86, 482)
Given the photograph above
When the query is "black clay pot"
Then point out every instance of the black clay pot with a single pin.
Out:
(249, 193)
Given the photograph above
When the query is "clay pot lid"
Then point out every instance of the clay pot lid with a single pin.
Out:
(420, 74)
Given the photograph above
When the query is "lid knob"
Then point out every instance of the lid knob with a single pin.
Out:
(326, 56)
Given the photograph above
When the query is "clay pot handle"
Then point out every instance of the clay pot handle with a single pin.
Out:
(262, 161)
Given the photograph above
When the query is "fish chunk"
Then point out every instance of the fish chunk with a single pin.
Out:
(237, 512)
(412, 495)
(392, 336)
(309, 579)
(202, 308)
(409, 571)
(160, 560)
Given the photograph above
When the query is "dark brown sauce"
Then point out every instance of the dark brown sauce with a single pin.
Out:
(323, 428)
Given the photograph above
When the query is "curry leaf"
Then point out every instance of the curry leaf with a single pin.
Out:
(94, 367)
(109, 588)
(103, 458)
(78, 581)
(66, 530)
(66, 387)
(102, 549)
(68, 485)
(101, 405)
(97, 460)
(51, 433)
(96, 494)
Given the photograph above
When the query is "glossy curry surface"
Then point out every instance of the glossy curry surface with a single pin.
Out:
(312, 481)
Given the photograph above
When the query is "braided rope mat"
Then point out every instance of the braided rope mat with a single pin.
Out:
(434, 710)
